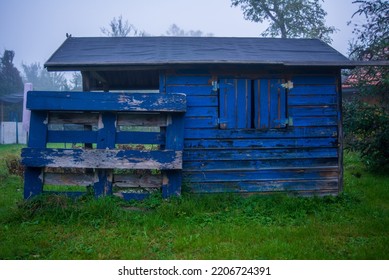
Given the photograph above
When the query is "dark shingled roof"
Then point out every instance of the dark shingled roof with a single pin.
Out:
(81, 53)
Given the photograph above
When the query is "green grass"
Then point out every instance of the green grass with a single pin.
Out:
(353, 225)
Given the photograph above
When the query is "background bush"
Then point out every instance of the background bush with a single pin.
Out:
(366, 130)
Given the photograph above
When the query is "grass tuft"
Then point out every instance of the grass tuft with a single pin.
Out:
(352, 225)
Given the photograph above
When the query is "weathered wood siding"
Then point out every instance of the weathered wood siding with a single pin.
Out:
(299, 153)
(133, 143)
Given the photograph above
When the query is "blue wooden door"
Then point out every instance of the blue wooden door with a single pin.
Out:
(235, 103)
(252, 104)
(269, 104)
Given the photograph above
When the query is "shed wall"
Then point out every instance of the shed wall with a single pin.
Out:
(303, 157)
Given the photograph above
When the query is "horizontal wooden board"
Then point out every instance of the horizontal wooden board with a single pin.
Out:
(314, 80)
(312, 100)
(251, 165)
(105, 101)
(252, 154)
(188, 80)
(101, 158)
(202, 101)
(260, 143)
(315, 121)
(202, 112)
(84, 118)
(158, 120)
(266, 186)
(313, 90)
(262, 175)
(312, 111)
(201, 122)
(290, 132)
(192, 90)
(54, 136)
(68, 179)
(136, 181)
(136, 137)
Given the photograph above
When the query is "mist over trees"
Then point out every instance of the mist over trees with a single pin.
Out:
(10, 79)
(120, 28)
(288, 18)
(41, 79)
(175, 30)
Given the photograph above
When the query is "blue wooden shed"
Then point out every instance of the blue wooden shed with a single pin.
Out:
(243, 115)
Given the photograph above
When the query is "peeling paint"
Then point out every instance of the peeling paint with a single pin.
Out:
(130, 100)
(100, 124)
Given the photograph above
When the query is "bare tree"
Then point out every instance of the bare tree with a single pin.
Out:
(120, 28)
(175, 30)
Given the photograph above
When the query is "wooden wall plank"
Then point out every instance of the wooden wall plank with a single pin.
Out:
(291, 132)
(260, 143)
(315, 121)
(314, 80)
(312, 100)
(313, 90)
(330, 186)
(201, 122)
(136, 181)
(202, 112)
(263, 154)
(252, 165)
(195, 90)
(188, 80)
(128, 137)
(71, 136)
(202, 101)
(262, 175)
(124, 119)
(68, 179)
(73, 118)
(312, 111)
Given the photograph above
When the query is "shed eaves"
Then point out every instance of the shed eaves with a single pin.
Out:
(82, 52)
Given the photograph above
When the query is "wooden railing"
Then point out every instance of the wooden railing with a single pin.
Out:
(106, 143)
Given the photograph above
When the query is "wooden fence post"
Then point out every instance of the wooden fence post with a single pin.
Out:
(172, 179)
(33, 176)
(105, 140)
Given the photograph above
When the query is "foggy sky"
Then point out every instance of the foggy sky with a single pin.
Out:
(34, 29)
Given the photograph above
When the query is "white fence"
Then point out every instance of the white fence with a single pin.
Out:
(12, 133)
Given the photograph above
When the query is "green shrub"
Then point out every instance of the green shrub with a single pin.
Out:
(366, 129)
(13, 165)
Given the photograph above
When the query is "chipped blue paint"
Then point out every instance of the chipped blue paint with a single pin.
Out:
(105, 101)
(261, 156)
(102, 158)
(106, 136)
(253, 152)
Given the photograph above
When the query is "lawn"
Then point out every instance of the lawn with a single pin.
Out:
(354, 225)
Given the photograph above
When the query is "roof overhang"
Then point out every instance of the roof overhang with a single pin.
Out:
(107, 53)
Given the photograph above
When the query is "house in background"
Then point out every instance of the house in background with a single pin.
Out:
(11, 110)
(262, 115)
